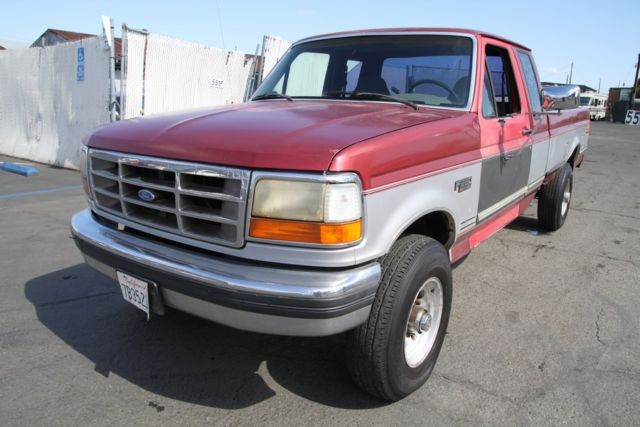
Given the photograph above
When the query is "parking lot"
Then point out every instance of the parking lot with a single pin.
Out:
(545, 328)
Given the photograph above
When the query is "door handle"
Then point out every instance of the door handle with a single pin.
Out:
(511, 155)
(527, 131)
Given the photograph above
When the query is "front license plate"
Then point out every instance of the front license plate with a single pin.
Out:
(135, 291)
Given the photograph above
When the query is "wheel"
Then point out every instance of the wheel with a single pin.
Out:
(555, 199)
(394, 352)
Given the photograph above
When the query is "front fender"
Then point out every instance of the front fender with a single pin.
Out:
(392, 210)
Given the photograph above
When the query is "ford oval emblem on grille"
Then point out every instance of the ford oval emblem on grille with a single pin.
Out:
(147, 195)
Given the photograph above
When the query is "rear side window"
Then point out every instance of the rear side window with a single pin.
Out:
(505, 89)
(531, 81)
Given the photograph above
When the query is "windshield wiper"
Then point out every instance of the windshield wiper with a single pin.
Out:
(272, 95)
(372, 95)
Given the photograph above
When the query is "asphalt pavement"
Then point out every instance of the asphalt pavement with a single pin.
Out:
(545, 327)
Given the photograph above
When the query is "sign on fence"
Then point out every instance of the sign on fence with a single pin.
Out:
(80, 66)
(632, 118)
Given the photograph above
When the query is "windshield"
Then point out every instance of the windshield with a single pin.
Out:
(585, 100)
(424, 69)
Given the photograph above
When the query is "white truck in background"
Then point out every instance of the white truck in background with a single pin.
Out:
(596, 103)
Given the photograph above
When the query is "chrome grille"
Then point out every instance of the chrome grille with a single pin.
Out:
(197, 201)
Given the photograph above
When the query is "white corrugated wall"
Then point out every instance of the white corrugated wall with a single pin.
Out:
(178, 74)
(133, 86)
(44, 110)
(273, 48)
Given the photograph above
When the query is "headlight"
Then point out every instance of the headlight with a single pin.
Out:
(84, 170)
(307, 212)
(295, 200)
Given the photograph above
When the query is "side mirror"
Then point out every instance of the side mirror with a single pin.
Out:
(563, 97)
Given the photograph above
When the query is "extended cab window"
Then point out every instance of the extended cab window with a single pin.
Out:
(503, 82)
(424, 69)
(531, 81)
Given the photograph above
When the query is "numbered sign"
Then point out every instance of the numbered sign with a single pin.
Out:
(632, 118)
(217, 83)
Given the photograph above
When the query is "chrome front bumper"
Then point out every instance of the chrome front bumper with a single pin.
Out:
(249, 296)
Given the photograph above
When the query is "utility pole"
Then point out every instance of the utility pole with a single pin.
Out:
(635, 85)
(253, 76)
(123, 71)
(571, 73)
(108, 29)
(599, 81)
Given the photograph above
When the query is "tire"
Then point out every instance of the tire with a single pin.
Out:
(555, 199)
(382, 357)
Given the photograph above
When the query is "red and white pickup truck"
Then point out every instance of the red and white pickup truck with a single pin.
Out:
(337, 199)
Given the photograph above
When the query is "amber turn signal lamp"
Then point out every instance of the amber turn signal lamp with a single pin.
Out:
(306, 232)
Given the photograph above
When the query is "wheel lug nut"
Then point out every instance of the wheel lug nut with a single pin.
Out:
(424, 323)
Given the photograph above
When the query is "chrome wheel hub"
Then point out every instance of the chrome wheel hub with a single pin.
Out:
(566, 198)
(423, 322)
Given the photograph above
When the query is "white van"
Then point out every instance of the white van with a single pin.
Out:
(596, 103)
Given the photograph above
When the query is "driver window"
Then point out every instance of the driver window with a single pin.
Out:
(505, 89)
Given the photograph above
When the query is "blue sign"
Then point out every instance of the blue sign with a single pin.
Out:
(80, 65)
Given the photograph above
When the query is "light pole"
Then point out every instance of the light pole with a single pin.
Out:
(635, 85)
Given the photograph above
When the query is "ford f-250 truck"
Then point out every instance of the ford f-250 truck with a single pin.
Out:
(338, 198)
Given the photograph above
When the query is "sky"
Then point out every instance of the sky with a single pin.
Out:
(596, 36)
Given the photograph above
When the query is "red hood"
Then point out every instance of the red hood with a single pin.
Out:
(277, 134)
